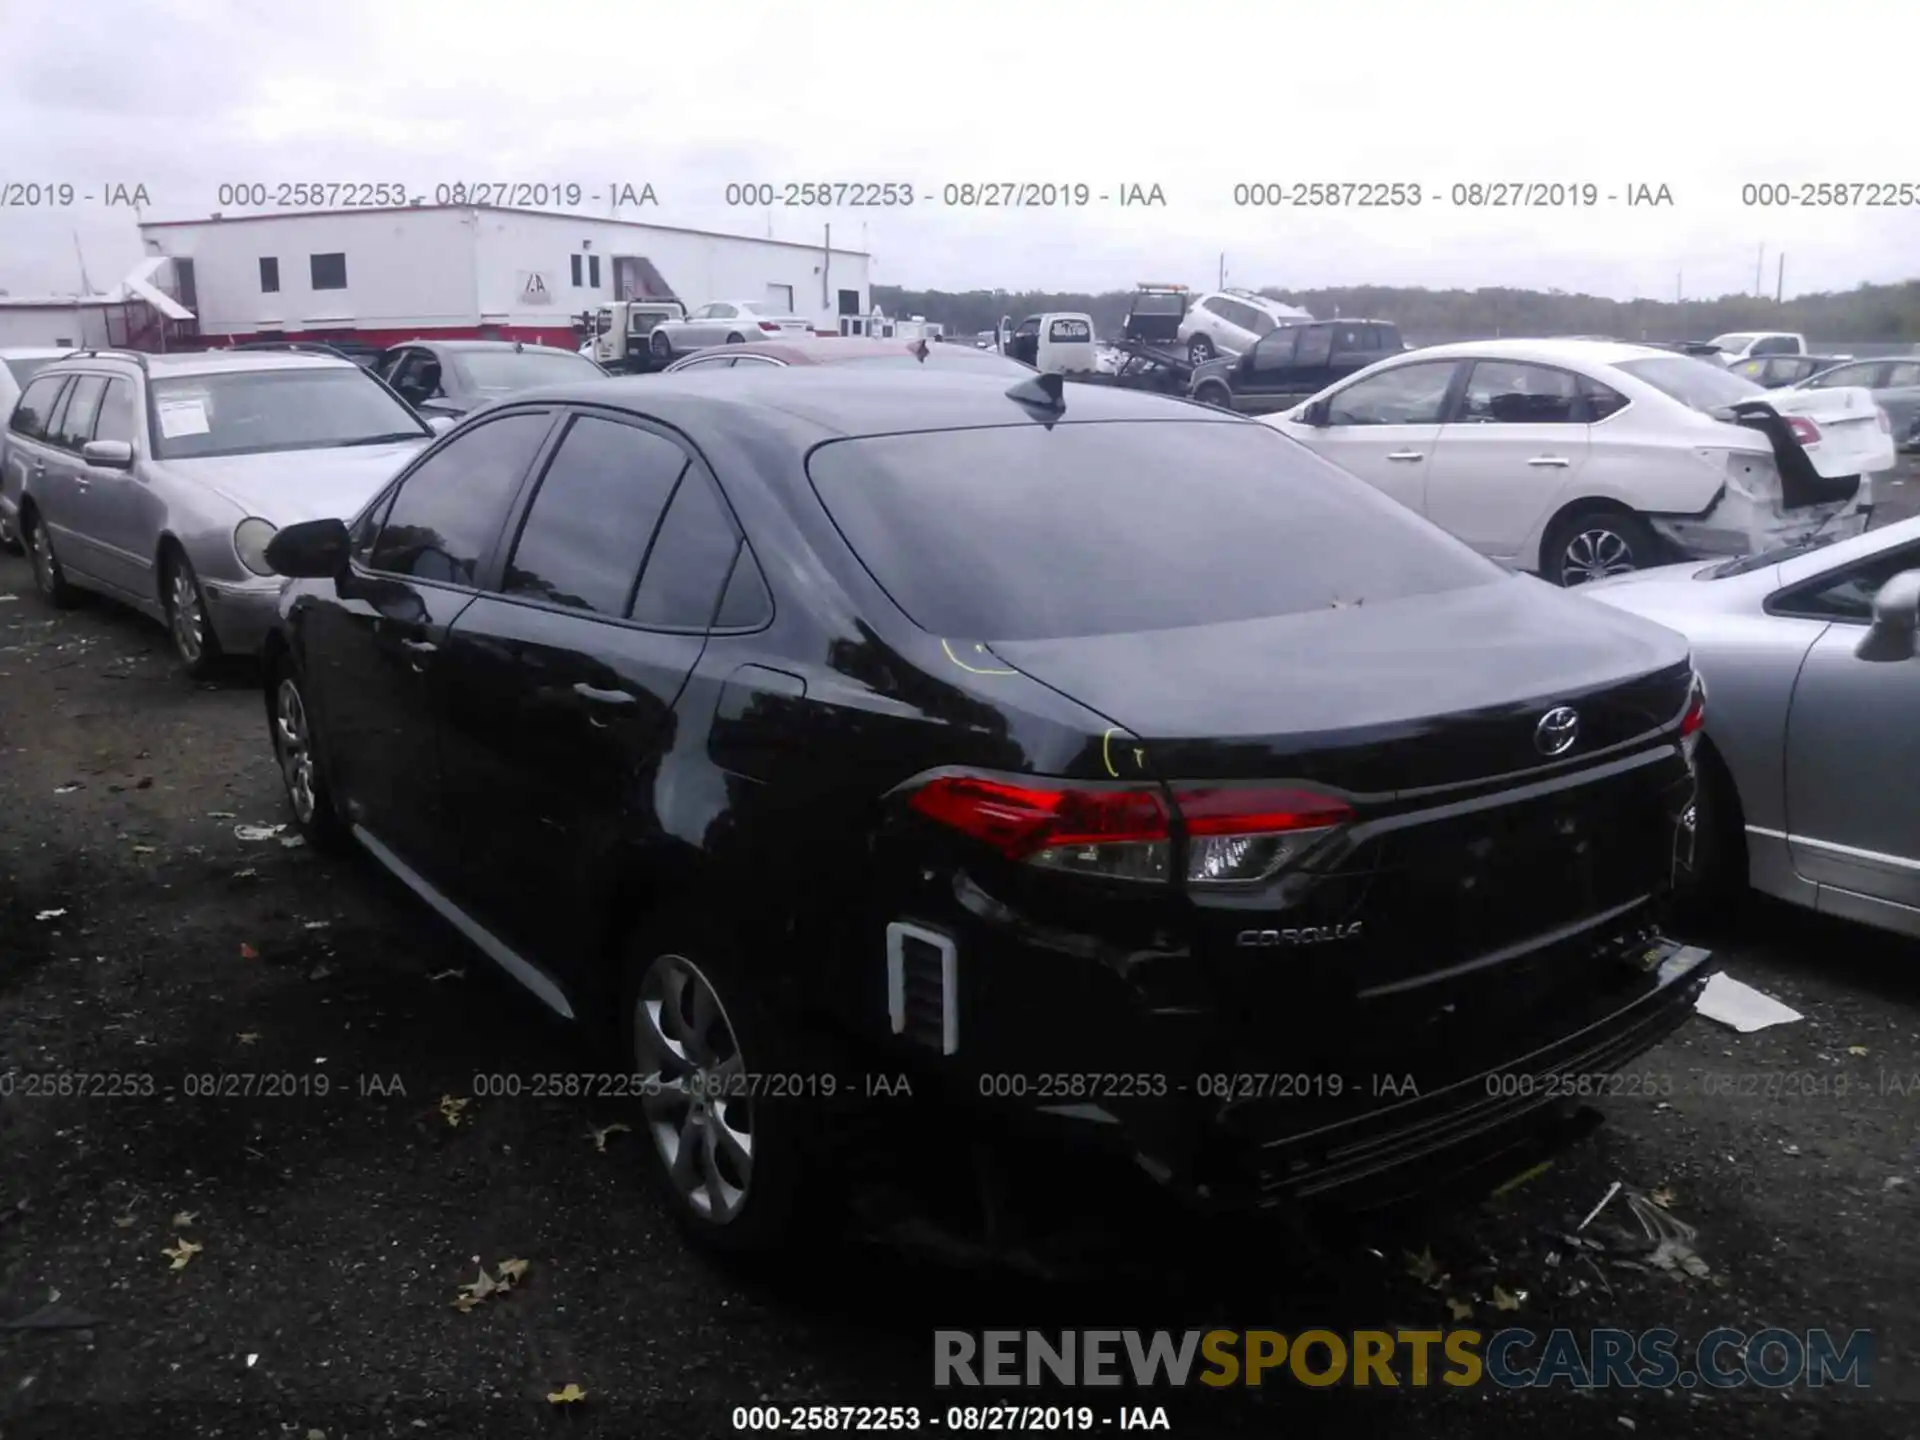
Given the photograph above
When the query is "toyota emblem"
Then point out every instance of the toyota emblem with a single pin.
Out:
(1557, 730)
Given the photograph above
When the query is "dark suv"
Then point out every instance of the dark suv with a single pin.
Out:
(1294, 361)
(1092, 758)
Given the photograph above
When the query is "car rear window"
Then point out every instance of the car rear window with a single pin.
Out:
(493, 373)
(1031, 532)
(1703, 384)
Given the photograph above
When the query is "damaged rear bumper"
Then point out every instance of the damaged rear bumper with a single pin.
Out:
(1739, 525)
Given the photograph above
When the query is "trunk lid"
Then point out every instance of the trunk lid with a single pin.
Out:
(1376, 699)
(1851, 440)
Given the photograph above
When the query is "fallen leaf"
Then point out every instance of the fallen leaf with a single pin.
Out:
(181, 1252)
(599, 1133)
(50, 914)
(1856, 1049)
(464, 1303)
(220, 815)
(451, 1110)
(479, 1290)
(257, 832)
(445, 974)
(1460, 1309)
(143, 850)
(568, 1394)
(247, 952)
(1663, 1198)
(1423, 1267)
(316, 925)
(123, 1222)
(292, 842)
(1503, 1301)
(244, 874)
(182, 1219)
(510, 1271)
(247, 1037)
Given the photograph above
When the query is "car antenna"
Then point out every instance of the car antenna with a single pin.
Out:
(1046, 391)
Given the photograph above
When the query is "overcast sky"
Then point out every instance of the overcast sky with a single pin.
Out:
(183, 95)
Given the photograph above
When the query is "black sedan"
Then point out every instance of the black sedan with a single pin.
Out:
(1109, 766)
(451, 377)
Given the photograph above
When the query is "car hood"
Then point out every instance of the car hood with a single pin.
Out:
(1217, 369)
(1670, 595)
(289, 486)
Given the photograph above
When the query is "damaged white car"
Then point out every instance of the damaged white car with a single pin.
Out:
(1578, 459)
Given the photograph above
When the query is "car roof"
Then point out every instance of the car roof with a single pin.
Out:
(815, 403)
(464, 347)
(34, 352)
(1544, 352)
(825, 349)
(213, 362)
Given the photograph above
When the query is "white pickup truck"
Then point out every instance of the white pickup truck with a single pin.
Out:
(1748, 344)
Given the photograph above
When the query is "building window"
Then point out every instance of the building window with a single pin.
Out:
(593, 271)
(269, 275)
(329, 271)
(576, 270)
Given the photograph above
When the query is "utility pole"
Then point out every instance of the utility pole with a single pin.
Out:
(1759, 267)
(1780, 284)
(1223, 271)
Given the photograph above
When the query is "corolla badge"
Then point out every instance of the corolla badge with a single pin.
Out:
(1557, 730)
(1299, 935)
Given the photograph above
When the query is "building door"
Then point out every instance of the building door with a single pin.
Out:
(781, 298)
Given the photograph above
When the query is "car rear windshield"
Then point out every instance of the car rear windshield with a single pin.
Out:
(251, 412)
(501, 372)
(1031, 532)
(1700, 383)
(23, 370)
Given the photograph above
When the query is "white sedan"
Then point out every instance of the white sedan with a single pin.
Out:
(1578, 459)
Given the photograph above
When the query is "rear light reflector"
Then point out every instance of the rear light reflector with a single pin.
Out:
(1695, 715)
(770, 327)
(1804, 430)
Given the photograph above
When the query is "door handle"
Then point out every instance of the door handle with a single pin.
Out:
(1556, 461)
(604, 699)
(1404, 455)
(420, 650)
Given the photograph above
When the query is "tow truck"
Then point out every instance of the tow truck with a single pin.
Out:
(1147, 355)
(617, 334)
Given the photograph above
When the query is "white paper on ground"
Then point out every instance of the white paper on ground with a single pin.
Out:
(1744, 1008)
(182, 417)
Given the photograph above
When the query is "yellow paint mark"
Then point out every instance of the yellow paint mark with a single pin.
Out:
(1523, 1177)
(972, 669)
(1106, 750)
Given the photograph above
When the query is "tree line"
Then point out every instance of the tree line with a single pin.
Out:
(1886, 313)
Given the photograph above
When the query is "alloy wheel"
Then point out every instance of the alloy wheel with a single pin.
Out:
(293, 745)
(1594, 555)
(184, 615)
(46, 570)
(696, 1099)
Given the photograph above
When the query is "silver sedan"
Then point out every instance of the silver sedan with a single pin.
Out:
(157, 480)
(1811, 747)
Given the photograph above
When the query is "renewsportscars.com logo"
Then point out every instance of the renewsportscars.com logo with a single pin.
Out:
(1515, 1358)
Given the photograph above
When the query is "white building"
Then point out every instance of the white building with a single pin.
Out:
(79, 321)
(444, 271)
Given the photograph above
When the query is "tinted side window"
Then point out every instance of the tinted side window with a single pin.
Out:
(1600, 400)
(1404, 395)
(1275, 351)
(1315, 345)
(449, 509)
(1901, 377)
(35, 407)
(1502, 392)
(593, 517)
(1775, 345)
(747, 602)
(116, 418)
(689, 560)
(1848, 596)
(76, 419)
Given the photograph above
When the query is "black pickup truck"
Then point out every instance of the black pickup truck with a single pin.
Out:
(1293, 362)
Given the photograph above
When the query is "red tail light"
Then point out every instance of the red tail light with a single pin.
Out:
(1695, 715)
(770, 327)
(1804, 430)
(1235, 834)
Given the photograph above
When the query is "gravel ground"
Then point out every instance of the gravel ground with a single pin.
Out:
(141, 938)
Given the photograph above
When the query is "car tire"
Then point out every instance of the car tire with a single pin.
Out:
(1718, 869)
(736, 339)
(661, 347)
(296, 749)
(1199, 350)
(1215, 395)
(48, 578)
(189, 625)
(9, 541)
(1590, 543)
(740, 1171)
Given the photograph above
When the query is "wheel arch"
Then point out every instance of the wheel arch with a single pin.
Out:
(1604, 504)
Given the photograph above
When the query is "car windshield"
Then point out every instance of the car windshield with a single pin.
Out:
(251, 412)
(1732, 342)
(501, 372)
(22, 370)
(1029, 532)
(1699, 383)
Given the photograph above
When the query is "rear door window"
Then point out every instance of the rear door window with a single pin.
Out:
(116, 418)
(1507, 393)
(689, 561)
(75, 422)
(35, 407)
(1033, 532)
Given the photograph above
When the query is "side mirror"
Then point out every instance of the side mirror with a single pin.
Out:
(1896, 619)
(440, 424)
(108, 454)
(311, 550)
(1317, 413)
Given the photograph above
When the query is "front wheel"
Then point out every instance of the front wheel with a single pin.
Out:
(1199, 350)
(48, 577)
(296, 750)
(661, 347)
(1215, 395)
(194, 643)
(1594, 544)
